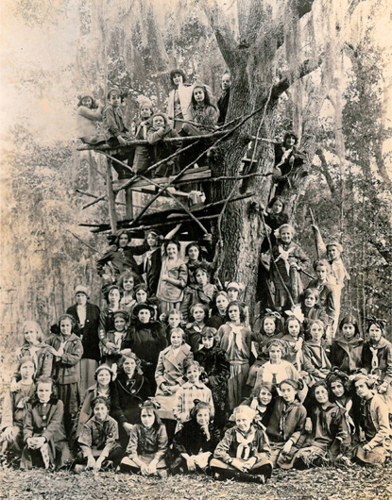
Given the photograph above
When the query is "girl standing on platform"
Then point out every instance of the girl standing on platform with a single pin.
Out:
(160, 150)
(179, 99)
(142, 158)
(223, 101)
(202, 116)
(236, 342)
(89, 112)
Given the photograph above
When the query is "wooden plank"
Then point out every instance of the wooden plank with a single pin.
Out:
(111, 197)
(196, 174)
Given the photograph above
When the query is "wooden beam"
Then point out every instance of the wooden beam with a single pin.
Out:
(196, 174)
(128, 204)
(111, 196)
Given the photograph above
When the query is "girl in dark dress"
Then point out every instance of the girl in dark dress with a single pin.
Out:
(195, 442)
(131, 388)
(223, 101)
(216, 371)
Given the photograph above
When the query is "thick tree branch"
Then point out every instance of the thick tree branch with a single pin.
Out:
(324, 168)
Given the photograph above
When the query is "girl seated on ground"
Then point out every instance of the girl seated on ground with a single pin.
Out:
(340, 393)
(89, 112)
(216, 372)
(98, 439)
(161, 150)
(43, 430)
(34, 347)
(346, 349)
(104, 387)
(374, 422)
(195, 443)
(329, 437)
(244, 452)
(287, 421)
(131, 388)
(14, 405)
(148, 444)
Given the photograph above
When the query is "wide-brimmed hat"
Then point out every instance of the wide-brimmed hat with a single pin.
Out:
(143, 305)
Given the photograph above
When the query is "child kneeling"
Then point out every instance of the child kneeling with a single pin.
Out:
(244, 452)
(43, 429)
(98, 439)
(148, 443)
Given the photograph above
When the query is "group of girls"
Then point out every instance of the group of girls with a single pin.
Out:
(146, 392)
(191, 111)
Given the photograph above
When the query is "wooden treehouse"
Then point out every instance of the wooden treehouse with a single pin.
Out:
(189, 207)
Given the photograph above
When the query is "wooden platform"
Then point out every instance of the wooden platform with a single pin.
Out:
(192, 175)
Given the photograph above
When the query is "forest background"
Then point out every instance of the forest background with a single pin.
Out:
(321, 68)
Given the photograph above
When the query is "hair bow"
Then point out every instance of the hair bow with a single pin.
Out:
(275, 314)
(373, 320)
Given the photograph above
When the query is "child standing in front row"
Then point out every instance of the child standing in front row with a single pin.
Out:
(43, 430)
(98, 439)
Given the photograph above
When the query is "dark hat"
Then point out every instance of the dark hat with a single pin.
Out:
(141, 306)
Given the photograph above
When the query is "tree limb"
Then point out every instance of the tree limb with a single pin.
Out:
(324, 168)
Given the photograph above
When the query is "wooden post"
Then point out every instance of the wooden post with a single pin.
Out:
(111, 196)
(129, 204)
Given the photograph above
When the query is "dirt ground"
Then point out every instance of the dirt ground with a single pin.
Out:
(352, 483)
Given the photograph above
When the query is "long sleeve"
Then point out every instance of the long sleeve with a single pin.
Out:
(155, 136)
(111, 122)
(162, 442)
(55, 422)
(73, 356)
(183, 275)
(223, 448)
(7, 417)
(380, 415)
(160, 370)
(179, 405)
(91, 114)
(28, 423)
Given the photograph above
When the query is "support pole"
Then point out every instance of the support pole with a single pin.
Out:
(111, 196)
(128, 204)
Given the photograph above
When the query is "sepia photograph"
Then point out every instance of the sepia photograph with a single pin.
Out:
(196, 250)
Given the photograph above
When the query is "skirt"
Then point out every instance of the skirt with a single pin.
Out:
(87, 373)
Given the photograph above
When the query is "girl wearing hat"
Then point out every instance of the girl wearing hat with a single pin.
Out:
(131, 388)
(329, 437)
(148, 340)
(377, 359)
(117, 339)
(89, 112)
(159, 149)
(216, 371)
(287, 421)
(236, 342)
(67, 350)
(244, 452)
(148, 443)
(179, 98)
(195, 442)
(103, 387)
(374, 423)
(86, 316)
